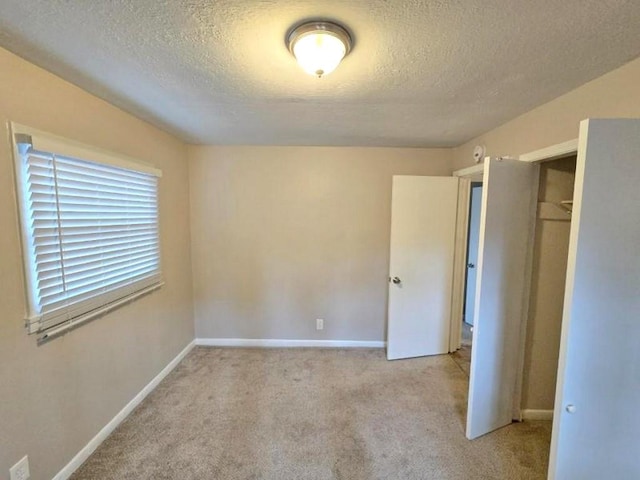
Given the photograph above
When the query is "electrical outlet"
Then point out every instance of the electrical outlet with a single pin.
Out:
(20, 471)
(319, 324)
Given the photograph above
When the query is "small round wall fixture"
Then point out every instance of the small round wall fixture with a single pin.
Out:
(479, 151)
(319, 46)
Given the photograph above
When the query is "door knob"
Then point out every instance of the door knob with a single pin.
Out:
(471, 265)
(396, 280)
(570, 408)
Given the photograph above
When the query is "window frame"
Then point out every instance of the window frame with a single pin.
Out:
(66, 148)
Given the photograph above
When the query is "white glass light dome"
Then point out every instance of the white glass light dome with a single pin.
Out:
(319, 47)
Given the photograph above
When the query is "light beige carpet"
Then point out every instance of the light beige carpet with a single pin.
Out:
(463, 356)
(313, 414)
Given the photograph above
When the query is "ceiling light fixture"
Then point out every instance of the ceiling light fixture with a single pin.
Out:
(319, 46)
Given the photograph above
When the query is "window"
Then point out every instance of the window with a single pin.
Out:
(89, 229)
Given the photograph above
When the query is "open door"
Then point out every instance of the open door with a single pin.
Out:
(508, 207)
(596, 420)
(423, 227)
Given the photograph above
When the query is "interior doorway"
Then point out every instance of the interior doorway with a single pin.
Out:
(475, 208)
(463, 355)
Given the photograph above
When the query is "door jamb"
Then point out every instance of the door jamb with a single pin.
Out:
(466, 175)
(546, 154)
(552, 152)
(459, 262)
(474, 173)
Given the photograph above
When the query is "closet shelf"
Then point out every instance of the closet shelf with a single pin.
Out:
(568, 204)
(554, 211)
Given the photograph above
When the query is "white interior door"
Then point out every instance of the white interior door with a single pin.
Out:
(472, 248)
(423, 226)
(596, 420)
(508, 206)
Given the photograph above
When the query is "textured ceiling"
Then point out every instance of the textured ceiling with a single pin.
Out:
(422, 72)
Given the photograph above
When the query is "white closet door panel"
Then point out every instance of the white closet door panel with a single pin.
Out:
(508, 205)
(596, 431)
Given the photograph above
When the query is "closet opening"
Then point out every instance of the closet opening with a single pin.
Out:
(546, 296)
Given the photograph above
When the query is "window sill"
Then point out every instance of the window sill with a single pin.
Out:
(58, 330)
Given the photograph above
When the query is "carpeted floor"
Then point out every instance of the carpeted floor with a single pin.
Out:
(316, 414)
(463, 356)
(463, 359)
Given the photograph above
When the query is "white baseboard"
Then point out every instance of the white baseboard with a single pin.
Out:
(537, 415)
(90, 447)
(282, 343)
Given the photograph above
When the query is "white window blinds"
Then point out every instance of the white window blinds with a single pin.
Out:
(91, 235)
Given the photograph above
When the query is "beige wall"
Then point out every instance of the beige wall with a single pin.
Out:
(285, 235)
(616, 94)
(54, 398)
(550, 255)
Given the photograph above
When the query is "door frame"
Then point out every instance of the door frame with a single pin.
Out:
(466, 176)
(552, 152)
(546, 154)
(475, 173)
(459, 262)
(474, 184)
